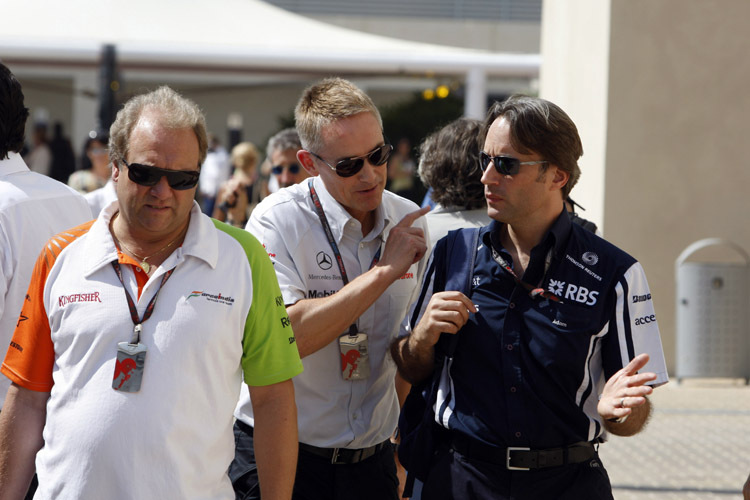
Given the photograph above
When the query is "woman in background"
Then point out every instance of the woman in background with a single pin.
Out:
(238, 196)
(95, 159)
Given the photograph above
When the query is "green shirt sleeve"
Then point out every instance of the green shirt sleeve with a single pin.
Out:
(269, 348)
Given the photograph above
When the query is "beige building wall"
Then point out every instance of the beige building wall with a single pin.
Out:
(659, 91)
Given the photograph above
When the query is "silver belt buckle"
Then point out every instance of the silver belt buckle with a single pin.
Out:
(507, 457)
(335, 457)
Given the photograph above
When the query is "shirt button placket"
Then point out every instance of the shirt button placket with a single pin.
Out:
(513, 322)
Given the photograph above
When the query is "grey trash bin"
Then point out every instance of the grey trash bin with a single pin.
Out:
(712, 314)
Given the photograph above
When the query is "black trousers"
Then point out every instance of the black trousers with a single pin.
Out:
(453, 476)
(317, 479)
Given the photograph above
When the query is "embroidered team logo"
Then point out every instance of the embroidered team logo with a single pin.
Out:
(569, 291)
(64, 300)
(590, 258)
(324, 261)
(556, 287)
(218, 298)
(475, 281)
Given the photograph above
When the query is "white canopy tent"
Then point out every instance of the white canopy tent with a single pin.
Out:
(226, 39)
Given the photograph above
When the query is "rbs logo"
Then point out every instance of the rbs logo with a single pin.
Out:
(573, 292)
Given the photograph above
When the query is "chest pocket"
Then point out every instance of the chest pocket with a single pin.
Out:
(570, 318)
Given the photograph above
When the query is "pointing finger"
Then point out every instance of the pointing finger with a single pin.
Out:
(409, 218)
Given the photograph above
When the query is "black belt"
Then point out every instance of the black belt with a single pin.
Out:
(344, 455)
(335, 455)
(516, 458)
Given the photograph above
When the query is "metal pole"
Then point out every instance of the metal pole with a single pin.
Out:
(475, 99)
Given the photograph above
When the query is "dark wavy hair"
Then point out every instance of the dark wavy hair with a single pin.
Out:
(13, 114)
(449, 164)
(542, 127)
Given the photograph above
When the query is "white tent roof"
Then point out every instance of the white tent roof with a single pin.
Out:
(222, 35)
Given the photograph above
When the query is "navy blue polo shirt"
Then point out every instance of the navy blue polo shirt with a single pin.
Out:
(528, 371)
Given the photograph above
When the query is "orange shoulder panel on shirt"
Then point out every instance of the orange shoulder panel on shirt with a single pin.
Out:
(31, 355)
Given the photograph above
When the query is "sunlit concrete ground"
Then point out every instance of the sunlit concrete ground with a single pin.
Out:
(696, 446)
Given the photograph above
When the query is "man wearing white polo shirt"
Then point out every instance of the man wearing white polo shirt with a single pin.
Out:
(139, 328)
(348, 255)
(33, 207)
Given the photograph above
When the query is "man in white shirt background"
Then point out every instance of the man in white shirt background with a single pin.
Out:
(33, 208)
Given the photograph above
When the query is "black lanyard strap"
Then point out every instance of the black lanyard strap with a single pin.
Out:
(329, 235)
(131, 305)
(534, 291)
(332, 242)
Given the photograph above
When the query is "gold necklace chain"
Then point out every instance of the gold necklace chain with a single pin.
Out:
(144, 265)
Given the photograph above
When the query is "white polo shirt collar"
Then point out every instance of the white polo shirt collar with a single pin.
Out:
(13, 165)
(339, 218)
(200, 241)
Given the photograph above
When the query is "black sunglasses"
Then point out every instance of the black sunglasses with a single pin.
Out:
(505, 165)
(277, 169)
(350, 166)
(146, 175)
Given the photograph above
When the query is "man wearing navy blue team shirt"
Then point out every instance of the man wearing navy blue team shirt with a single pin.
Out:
(558, 344)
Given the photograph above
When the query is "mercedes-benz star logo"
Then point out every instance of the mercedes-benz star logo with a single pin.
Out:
(324, 261)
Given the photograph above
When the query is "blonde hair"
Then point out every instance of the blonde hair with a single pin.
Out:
(245, 156)
(327, 101)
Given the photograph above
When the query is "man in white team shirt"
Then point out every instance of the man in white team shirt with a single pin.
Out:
(33, 207)
(348, 255)
(141, 327)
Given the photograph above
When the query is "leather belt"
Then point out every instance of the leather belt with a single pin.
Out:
(517, 458)
(341, 456)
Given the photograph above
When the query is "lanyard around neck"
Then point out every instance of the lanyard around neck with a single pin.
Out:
(534, 291)
(331, 239)
(334, 246)
(131, 305)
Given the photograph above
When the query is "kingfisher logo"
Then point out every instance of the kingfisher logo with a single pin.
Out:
(218, 298)
(64, 300)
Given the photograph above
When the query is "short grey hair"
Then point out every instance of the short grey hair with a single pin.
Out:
(284, 140)
(175, 112)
